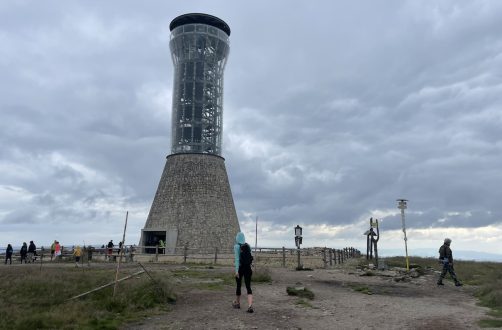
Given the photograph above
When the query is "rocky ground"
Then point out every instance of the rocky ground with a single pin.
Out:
(345, 298)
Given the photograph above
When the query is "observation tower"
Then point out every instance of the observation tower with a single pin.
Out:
(193, 205)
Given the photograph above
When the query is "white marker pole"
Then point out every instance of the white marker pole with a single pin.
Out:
(402, 206)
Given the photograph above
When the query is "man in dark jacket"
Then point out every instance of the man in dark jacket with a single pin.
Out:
(110, 249)
(23, 252)
(8, 254)
(446, 259)
(32, 252)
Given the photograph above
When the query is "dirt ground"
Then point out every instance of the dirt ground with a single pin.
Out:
(418, 304)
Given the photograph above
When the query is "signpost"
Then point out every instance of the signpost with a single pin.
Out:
(298, 241)
(402, 206)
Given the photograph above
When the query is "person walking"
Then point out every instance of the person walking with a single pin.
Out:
(243, 260)
(446, 259)
(32, 251)
(162, 246)
(57, 250)
(8, 254)
(77, 252)
(53, 249)
(110, 249)
(23, 252)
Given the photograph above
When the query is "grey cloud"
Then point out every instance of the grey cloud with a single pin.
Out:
(331, 111)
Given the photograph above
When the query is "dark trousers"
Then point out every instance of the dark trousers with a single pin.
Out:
(245, 272)
(448, 268)
(8, 257)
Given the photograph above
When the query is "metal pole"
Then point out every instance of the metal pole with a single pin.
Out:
(256, 236)
(405, 240)
(256, 242)
(298, 251)
(402, 206)
(120, 257)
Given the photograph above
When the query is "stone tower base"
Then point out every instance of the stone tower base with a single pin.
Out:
(193, 205)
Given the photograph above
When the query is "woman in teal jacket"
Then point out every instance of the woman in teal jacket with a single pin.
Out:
(243, 259)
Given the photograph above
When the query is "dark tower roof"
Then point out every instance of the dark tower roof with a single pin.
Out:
(195, 18)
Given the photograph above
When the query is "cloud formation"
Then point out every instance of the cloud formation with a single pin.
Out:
(332, 111)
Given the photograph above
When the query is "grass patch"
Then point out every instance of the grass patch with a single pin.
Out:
(303, 303)
(301, 292)
(362, 289)
(33, 300)
(490, 323)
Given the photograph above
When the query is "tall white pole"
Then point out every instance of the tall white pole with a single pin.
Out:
(402, 206)
(256, 236)
(120, 255)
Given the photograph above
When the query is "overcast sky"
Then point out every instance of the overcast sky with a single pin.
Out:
(332, 111)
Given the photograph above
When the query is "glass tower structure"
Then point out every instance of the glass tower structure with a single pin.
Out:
(199, 48)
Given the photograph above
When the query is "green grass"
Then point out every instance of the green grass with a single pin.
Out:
(490, 323)
(300, 292)
(362, 289)
(303, 303)
(30, 299)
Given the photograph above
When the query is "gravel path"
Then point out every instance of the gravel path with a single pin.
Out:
(418, 304)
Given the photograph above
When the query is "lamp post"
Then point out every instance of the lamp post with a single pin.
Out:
(298, 241)
(402, 206)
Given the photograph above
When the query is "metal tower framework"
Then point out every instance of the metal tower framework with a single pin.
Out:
(199, 53)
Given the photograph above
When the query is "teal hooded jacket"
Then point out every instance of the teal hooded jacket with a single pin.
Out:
(239, 240)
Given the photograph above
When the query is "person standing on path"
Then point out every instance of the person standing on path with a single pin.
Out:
(53, 249)
(57, 250)
(23, 252)
(8, 254)
(243, 261)
(110, 249)
(77, 253)
(446, 258)
(32, 251)
(162, 246)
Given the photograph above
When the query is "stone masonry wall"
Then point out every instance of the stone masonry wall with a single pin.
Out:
(194, 197)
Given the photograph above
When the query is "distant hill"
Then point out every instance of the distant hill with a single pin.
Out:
(433, 253)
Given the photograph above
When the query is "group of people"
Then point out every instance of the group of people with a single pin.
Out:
(27, 252)
(56, 250)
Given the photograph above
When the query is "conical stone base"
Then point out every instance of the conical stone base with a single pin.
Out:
(193, 205)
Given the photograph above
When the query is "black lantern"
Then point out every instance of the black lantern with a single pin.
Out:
(298, 231)
(298, 236)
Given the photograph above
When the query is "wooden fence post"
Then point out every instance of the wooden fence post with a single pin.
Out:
(283, 257)
(325, 261)
(215, 255)
(157, 253)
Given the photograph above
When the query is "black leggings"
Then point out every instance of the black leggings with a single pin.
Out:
(245, 272)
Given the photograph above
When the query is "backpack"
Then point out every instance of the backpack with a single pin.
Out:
(245, 258)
